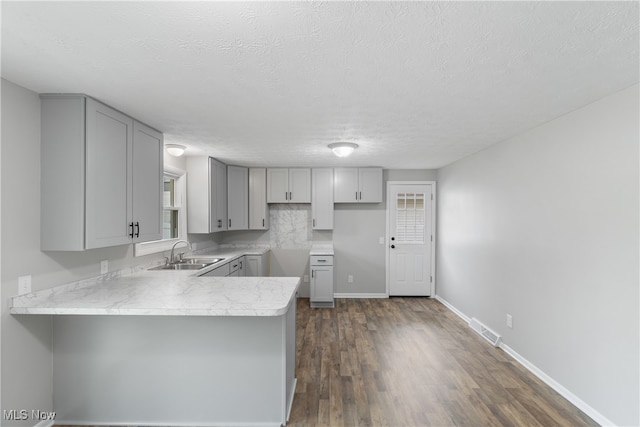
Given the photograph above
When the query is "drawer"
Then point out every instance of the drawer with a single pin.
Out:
(223, 270)
(234, 266)
(321, 260)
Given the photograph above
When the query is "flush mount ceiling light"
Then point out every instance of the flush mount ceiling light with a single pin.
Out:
(343, 149)
(175, 149)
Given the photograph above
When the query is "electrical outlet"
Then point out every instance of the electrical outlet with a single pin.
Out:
(350, 279)
(24, 285)
(104, 266)
(382, 240)
(306, 278)
(510, 321)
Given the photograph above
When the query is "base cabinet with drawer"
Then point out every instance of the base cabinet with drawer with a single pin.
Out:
(321, 280)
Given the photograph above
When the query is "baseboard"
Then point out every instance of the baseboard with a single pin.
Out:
(357, 295)
(453, 309)
(575, 400)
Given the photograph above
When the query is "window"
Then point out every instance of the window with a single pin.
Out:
(410, 214)
(174, 213)
(171, 211)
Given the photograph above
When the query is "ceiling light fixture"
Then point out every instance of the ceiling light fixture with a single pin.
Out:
(175, 149)
(343, 149)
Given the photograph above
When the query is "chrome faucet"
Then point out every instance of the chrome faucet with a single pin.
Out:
(172, 260)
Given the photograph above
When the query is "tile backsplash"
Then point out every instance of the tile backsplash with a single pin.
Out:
(290, 226)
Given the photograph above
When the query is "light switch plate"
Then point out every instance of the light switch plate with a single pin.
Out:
(306, 278)
(104, 266)
(24, 285)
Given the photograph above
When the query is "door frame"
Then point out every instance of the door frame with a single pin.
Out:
(387, 251)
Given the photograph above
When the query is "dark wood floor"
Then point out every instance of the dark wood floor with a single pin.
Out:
(412, 362)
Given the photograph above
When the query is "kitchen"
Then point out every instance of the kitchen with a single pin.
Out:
(26, 341)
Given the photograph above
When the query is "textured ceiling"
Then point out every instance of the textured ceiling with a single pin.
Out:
(416, 84)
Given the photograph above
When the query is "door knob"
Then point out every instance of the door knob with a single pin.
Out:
(393, 246)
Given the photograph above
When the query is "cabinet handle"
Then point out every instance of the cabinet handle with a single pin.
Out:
(263, 222)
(229, 222)
(361, 195)
(290, 198)
(312, 273)
(356, 195)
(286, 195)
(131, 234)
(137, 229)
(240, 265)
(321, 260)
(314, 222)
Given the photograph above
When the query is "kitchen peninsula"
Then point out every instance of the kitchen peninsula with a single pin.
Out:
(171, 348)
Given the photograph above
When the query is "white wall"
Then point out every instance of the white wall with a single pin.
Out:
(545, 227)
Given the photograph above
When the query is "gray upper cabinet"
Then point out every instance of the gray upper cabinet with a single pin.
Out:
(288, 185)
(238, 197)
(358, 185)
(258, 208)
(322, 198)
(206, 195)
(101, 182)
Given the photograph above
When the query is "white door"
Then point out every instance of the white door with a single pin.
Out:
(410, 239)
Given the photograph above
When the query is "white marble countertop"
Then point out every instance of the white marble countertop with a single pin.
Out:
(167, 293)
(322, 249)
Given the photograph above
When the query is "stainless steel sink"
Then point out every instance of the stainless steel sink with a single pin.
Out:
(189, 264)
(199, 260)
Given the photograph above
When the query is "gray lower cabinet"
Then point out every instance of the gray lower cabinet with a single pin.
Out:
(246, 265)
(321, 281)
(101, 182)
(221, 271)
(257, 265)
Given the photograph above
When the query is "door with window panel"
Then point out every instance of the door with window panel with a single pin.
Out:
(410, 239)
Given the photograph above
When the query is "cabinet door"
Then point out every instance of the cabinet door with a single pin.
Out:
(199, 200)
(238, 197)
(321, 283)
(370, 185)
(253, 265)
(345, 185)
(299, 185)
(322, 199)
(218, 188)
(108, 162)
(258, 208)
(277, 185)
(147, 183)
(242, 270)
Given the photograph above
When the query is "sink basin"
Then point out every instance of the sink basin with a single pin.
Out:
(180, 267)
(189, 264)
